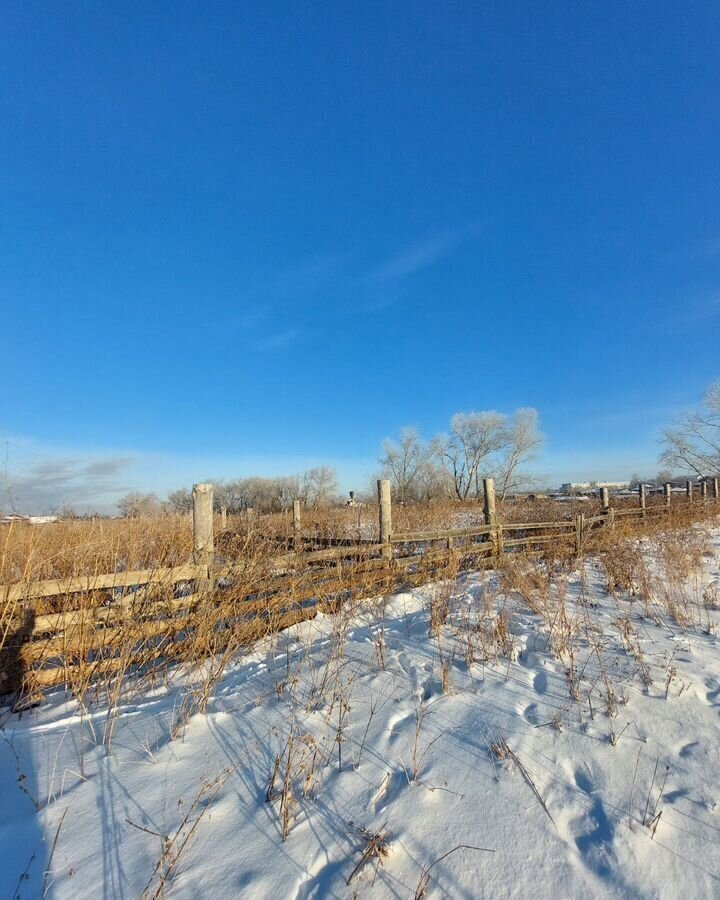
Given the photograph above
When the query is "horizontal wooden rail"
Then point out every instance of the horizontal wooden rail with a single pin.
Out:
(81, 584)
(75, 584)
(532, 526)
(540, 539)
(414, 537)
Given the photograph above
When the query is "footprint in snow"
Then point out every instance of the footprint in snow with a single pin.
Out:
(595, 845)
(713, 694)
(540, 682)
(673, 796)
(688, 749)
(421, 680)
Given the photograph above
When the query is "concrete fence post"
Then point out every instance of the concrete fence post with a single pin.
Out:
(579, 532)
(491, 517)
(385, 503)
(605, 499)
(703, 491)
(716, 488)
(667, 492)
(642, 498)
(296, 522)
(489, 494)
(689, 490)
(203, 540)
(223, 516)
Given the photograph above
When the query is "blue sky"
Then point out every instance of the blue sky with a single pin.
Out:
(247, 238)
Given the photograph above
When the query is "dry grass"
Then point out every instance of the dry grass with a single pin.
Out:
(144, 630)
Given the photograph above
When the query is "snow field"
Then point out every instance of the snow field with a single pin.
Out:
(568, 732)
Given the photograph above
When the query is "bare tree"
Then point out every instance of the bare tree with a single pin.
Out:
(474, 437)
(286, 489)
(693, 444)
(433, 481)
(180, 501)
(401, 462)
(318, 487)
(522, 439)
(136, 505)
(228, 494)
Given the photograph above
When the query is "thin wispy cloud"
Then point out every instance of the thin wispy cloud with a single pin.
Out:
(279, 340)
(419, 256)
(300, 281)
(48, 484)
(292, 291)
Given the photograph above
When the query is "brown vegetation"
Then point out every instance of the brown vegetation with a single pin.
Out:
(90, 638)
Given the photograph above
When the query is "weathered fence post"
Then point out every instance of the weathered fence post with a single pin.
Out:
(606, 508)
(489, 493)
(297, 519)
(716, 488)
(385, 502)
(491, 516)
(667, 491)
(203, 541)
(703, 491)
(643, 499)
(223, 516)
(579, 532)
(689, 490)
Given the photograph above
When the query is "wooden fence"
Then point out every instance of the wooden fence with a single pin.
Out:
(53, 627)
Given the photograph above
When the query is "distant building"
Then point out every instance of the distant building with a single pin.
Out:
(30, 520)
(570, 486)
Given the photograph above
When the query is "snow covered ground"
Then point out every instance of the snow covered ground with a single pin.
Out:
(570, 732)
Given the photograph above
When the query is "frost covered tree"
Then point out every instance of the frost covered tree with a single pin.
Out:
(318, 487)
(522, 438)
(401, 463)
(692, 444)
(473, 438)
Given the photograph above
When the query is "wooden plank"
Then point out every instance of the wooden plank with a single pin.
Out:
(540, 539)
(596, 520)
(533, 526)
(56, 675)
(137, 602)
(51, 623)
(422, 536)
(79, 584)
(84, 583)
(304, 586)
(300, 559)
